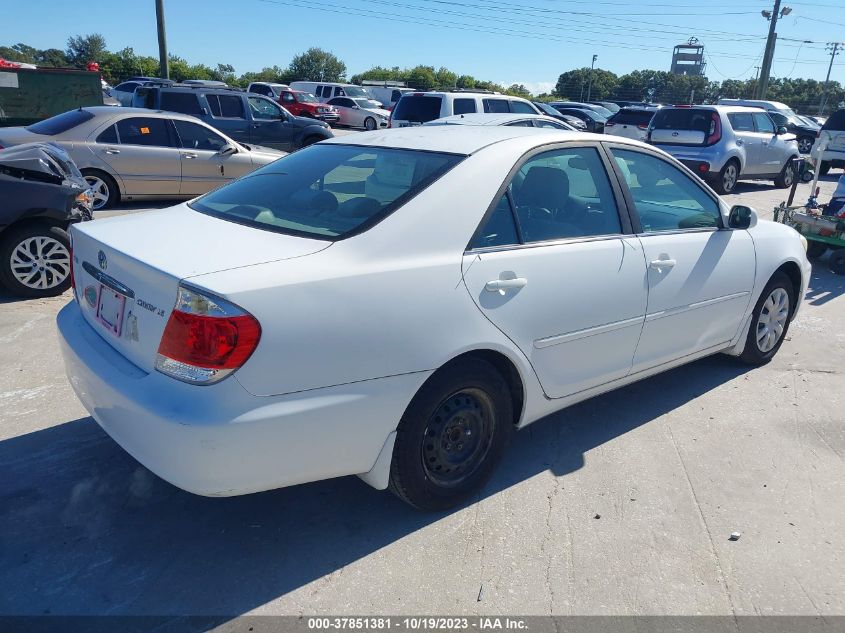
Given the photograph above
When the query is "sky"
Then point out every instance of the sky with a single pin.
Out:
(519, 41)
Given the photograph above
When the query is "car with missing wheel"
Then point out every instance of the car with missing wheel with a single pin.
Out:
(41, 194)
(395, 305)
(138, 154)
(726, 144)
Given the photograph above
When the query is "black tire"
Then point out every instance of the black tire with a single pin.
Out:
(836, 263)
(755, 353)
(370, 124)
(437, 460)
(824, 168)
(805, 144)
(787, 175)
(112, 193)
(51, 274)
(815, 249)
(724, 181)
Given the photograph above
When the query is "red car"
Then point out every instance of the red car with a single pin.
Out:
(300, 103)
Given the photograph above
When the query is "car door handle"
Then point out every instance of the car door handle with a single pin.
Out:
(504, 284)
(189, 155)
(112, 150)
(739, 141)
(658, 264)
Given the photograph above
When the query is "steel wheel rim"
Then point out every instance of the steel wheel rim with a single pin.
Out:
(40, 263)
(457, 437)
(99, 190)
(805, 145)
(729, 179)
(772, 320)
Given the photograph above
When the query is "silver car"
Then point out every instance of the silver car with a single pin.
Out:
(139, 154)
(725, 144)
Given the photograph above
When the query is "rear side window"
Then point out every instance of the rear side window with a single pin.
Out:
(683, 119)
(419, 109)
(464, 106)
(184, 102)
(327, 191)
(109, 135)
(61, 122)
(741, 121)
(144, 131)
(227, 106)
(522, 108)
(496, 105)
(631, 117)
(499, 229)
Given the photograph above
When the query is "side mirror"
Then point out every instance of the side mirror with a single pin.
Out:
(781, 130)
(742, 217)
(227, 150)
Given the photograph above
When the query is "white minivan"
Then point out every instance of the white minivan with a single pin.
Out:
(325, 90)
(416, 108)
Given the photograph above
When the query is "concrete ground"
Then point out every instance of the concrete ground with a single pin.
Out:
(621, 505)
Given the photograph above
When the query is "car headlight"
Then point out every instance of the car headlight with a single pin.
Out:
(803, 241)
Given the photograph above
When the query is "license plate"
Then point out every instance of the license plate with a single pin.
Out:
(110, 307)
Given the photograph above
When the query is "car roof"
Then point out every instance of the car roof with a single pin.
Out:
(718, 108)
(457, 139)
(101, 111)
(487, 118)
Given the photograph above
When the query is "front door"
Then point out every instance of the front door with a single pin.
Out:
(700, 275)
(270, 126)
(203, 166)
(145, 156)
(773, 151)
(747, 138)
(553, 269)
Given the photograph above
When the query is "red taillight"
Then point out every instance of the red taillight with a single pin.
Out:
(642, 126)
(609, 124)
(715, 133)
(206, 338)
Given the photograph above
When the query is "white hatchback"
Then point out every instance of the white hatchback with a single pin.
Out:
(396, 304)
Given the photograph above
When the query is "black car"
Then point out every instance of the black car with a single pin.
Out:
(243, 116)
(805, 131)
(591, 119)
(41, 193)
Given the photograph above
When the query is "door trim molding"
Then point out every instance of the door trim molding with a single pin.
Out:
(558, 339)
(693, 306)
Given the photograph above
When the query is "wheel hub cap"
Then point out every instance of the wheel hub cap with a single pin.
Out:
(40, 263)
(772, 321)
(100, 191)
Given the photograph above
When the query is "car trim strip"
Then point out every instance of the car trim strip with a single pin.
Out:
(108, 280)
(693, 306)
(557, 339)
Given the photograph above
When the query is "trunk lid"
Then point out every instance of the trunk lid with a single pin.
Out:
(127, 269)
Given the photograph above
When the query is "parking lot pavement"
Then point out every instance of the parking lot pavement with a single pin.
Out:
(620, 505)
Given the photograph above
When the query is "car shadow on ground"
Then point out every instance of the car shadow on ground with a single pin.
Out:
(825, 285)
(84, 529)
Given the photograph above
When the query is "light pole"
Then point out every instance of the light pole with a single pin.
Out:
(768, 56)
(590, 83)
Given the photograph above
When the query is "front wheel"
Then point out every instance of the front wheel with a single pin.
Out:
(726, 181)
(451, 436)
(805, 144)
(769, 321)
(35, 261)
(369, 124)
(787, 175)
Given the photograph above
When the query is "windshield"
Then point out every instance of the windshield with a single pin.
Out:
(546, 108)
(61, 122)
(355, 91)
(307, 97)
(327, 191)
(367, 103)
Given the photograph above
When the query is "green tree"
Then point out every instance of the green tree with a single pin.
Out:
(81, 50)
(315, 64)
(51, 57)
(422, 78)
(445, 78)
(465, 82)
(573, 84)
(518, 90)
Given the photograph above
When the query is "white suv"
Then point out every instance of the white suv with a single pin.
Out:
(416, 108)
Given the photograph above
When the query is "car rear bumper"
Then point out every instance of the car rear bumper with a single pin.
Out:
(221, 440)
(692, 157)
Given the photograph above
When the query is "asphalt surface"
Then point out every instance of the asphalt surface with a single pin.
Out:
(620, 505)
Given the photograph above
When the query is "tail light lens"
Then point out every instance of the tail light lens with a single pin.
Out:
(715, 133)
(70, 253)
(642, 126)
(609, 124)
(206, 338)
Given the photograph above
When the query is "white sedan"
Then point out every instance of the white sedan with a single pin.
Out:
(394, 305)
(364, 113)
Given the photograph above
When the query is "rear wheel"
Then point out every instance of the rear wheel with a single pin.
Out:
(769, 321)
(726, 181)
(805, 144)
(35, 261)
(451, 436)
(106, 193)
(369, 124)
(787, 175)
(815, 249)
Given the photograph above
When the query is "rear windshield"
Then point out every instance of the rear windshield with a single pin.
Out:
(835, 122)
(61, 122)
(327, 191)
(683, 119)
(417, 109)
(632, 117)
(144, 98)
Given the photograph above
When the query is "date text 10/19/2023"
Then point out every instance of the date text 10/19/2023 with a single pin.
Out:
(419, 623)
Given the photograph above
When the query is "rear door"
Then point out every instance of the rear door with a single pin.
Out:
(555, 269)
(270, 126)
(145, 157)
(203, 167)
(700, 275)
(229, 116)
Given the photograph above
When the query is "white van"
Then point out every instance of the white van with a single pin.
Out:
(387, 95)
(416, 108)
(325, 90)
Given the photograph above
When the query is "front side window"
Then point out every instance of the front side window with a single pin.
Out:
(666, 199)
(464, 106)
(305, 97)
(327, 191)
(764, 123)
(520, 124)
(496, 105)
(522, 108)
(144, 131)
(562, 194)
(263, 108)
(194, 136)
(741, 121)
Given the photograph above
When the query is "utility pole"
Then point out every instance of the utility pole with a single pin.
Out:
(769, 55)
(756, 79)
(590, 84)
(833, 47)
(164, 66)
